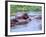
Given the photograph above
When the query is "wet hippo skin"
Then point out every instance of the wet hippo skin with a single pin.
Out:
(16, 22)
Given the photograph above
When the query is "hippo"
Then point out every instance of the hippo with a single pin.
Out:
(39, 17)
(20, 20)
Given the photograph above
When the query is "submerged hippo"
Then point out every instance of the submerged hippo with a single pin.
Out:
(20, 20)
(38, 17)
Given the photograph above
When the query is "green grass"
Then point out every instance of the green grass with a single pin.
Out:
(25, 8)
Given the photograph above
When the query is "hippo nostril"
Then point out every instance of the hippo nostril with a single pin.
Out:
(29, 19)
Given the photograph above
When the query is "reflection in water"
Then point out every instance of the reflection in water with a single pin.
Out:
(34, 25)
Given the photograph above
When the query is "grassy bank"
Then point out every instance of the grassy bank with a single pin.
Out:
(25, 8)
